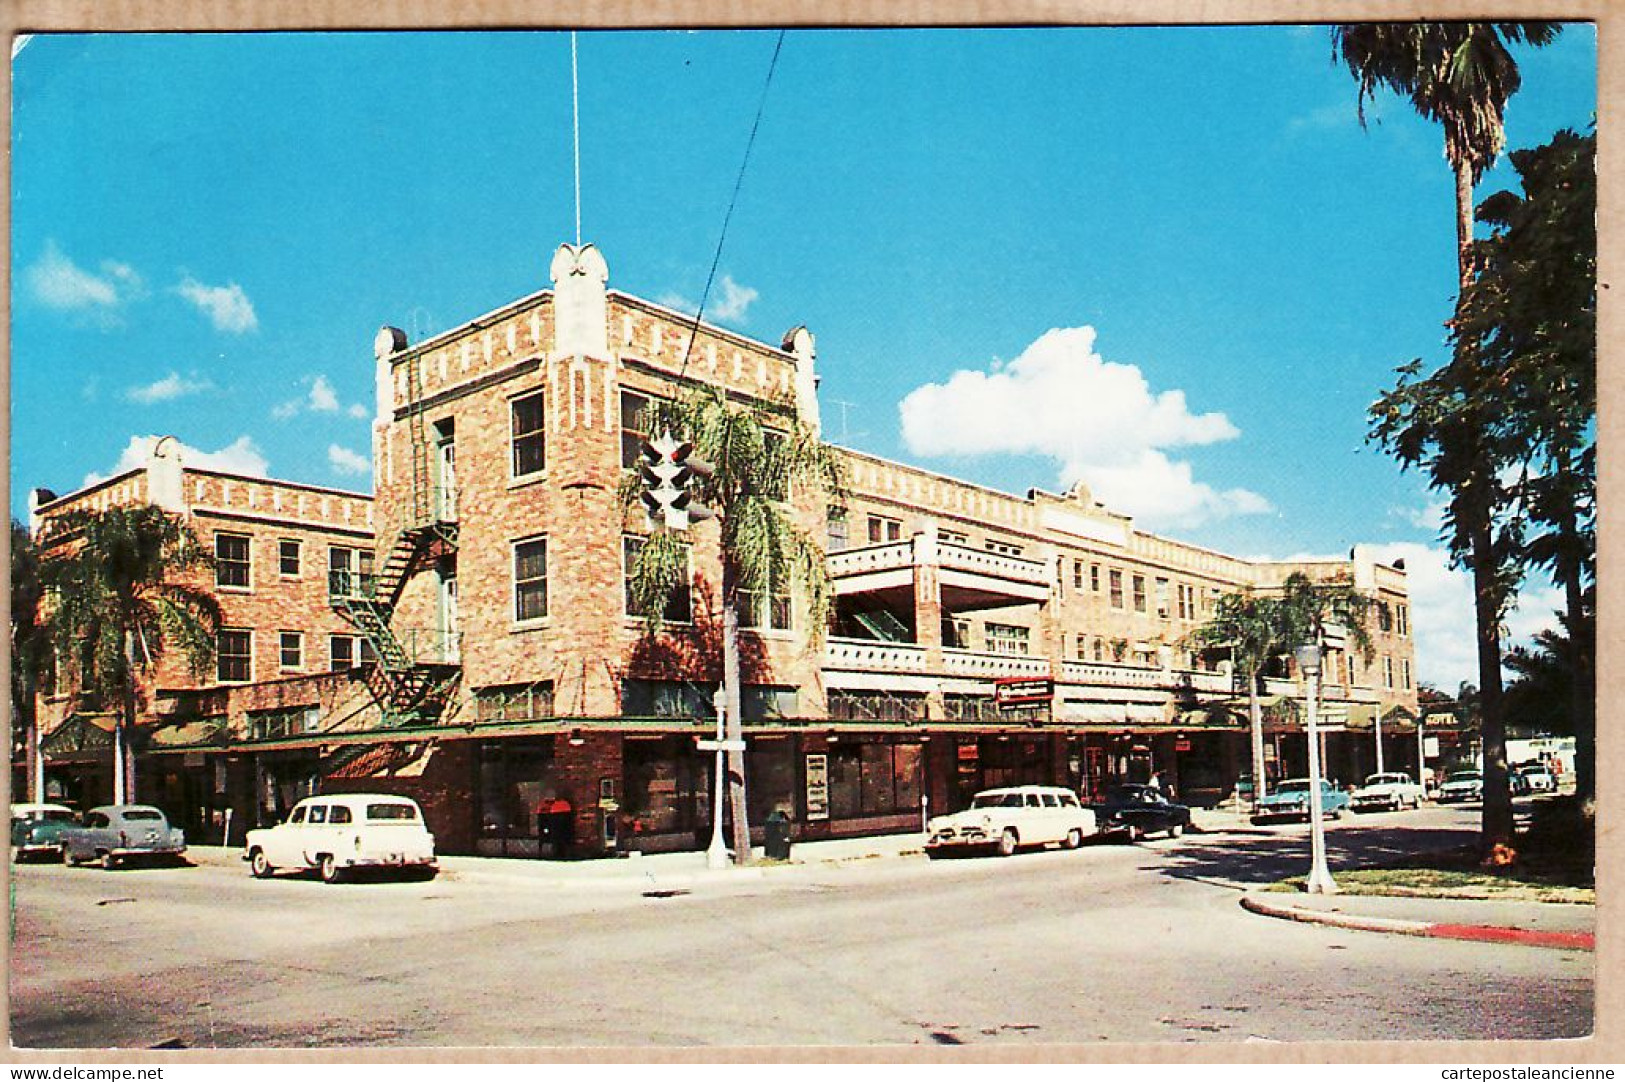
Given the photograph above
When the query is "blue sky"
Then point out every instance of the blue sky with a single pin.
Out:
(1171, 256)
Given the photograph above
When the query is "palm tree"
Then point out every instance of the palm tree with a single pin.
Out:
(762, 458)
(30, 651)
(1459, 74)
(117, 597)
(1250, 627)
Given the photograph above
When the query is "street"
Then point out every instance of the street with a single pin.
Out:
(1113, 942)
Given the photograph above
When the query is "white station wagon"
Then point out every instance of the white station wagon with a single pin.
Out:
(1004, 820)
(340, 833)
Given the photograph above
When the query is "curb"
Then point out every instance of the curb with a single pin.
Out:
(1477, 933)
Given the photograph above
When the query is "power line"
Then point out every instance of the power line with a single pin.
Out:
(723, 236)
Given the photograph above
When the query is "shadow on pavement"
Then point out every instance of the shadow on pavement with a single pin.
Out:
(1263, 857)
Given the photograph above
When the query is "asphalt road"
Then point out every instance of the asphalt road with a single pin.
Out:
(1112, 943)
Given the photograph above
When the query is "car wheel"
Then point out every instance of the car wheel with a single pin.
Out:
(933, 854)
(258, 866)
(329, 870)
(1337, 813)
(1176, 830)
(1074, 838)
(1134, 833)
(1008, 842)
(109, 862)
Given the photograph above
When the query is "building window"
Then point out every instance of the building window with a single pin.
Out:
(1351, 670)
(277, 724)
(1094, 578)
(231, 560)
(1100, 649)
(1387, 672)
(234, 656)
(1405, 673)
(956, 633)
(847, 705)
(1117, 588)
(287, 555)
(1139, 593)
(1077, 575)
(1162, 598)
(1083, 648)
(1403, 618)
(954, 537)
(349, 572)
(838, 525)
(882, 530)
(348, 651)
(530, 579)
(1187, 602)
(1385, 616)
(514, 702)
(529, 438)
(679, 606)
(1002, 548)
(1008, 639)
(770, 609)
(634, 426)
(292, 649)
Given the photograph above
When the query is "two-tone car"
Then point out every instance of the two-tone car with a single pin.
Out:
(337, 835)
(116, 834)
(1134, 811)
(36, 830)
(1004, 820)
(1290, 800)
(1462, 785)
(1389, 792)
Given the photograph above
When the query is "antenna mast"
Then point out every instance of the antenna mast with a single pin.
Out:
(575, 109)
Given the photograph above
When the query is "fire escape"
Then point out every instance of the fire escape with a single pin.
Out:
(415, 670)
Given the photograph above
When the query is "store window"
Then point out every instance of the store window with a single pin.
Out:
(528, 436)
(517, 783)
(873, 779)
(668, 787)
(231, 561)
(667, 699)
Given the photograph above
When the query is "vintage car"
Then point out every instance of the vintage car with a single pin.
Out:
(1003, 820)
(1137, 810)
(1290, 800)
(1462, 785)
(36, 830)
(118, 833)
(1537, 777)
(1389, 792)
(346, 832)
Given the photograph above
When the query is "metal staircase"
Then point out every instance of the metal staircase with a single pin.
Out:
(411, 680)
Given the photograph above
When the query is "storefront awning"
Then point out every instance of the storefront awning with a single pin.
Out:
(80, 736)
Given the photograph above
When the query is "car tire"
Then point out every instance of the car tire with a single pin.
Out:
(1074, 838)
(258, 866)
(1008, 842)
(1133, 832)
(329, 869)
(109, 862)
(1176, 830)
(1337, 813)
(933, 854)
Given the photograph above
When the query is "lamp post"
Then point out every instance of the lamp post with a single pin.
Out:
(1320, 877)
(716, 855)
(1378, 722)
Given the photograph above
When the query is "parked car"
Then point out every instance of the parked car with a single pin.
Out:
(36, 830)
(1137, 810)
(117, 833)
(1390, 792)
(1290, 800)
(1538, 777)
(336, 835)
(1462, 785)
(1003, 820)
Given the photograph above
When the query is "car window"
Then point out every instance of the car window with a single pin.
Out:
(143, 815)
(96, 820)
(1032, 801)
(318, 813)
(1068, 800)
(1051, 801)
(386, 812)
(298, 815)
(339, 814)
(59, 817)
(1293, 787)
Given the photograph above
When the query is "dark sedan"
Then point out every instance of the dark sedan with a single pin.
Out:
(1137, 810)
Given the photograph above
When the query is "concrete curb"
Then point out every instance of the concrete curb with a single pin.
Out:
(1478, 933)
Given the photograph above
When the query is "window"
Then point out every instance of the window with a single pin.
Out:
(772, 610)
(318, 813)
(1077, 575)
(234, 656)
(1187, 602)
(770, 476)
(231, 560)
(514, 702)
(1385, 616)
(1117, 588)
(1008, 639)
(1405, 673)
(529, 438)
(287, 555)
(679, 606)
(954, 537)
(847, 705)
(1100, 649)
(1139, 593)
(1002, 548)
(956, 633)
(838, 529)
(530, 579)
(339, 814)
(1083, 648)
(1094, 577)
(1403, 619)
(1387, 672)
(634, 427)
(882, 530)
(349, 571)
(288, 721)
(1351, 670)
(1162, 597)
(292, 648)
(348, 651)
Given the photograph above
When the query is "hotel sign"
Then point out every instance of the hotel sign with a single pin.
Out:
(1016, 690)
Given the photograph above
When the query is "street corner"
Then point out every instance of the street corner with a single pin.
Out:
(1356, 912)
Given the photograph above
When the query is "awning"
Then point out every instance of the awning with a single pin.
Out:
(199, 732)
(80, 735)
(1099, 713)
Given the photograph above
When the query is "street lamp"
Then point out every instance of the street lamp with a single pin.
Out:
(716, 855)
(1320, 877)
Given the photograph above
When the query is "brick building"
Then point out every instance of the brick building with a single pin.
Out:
(493, 670)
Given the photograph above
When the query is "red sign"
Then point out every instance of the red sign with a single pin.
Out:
(1182, 745)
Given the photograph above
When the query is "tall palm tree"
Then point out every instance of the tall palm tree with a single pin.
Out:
(1459, 74)
(763, 458)
(30, 651)
(117, 598)
(1250, 627)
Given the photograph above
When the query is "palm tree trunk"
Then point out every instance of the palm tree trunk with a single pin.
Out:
(36, 763)
(734, 724)
(1497, 820)
(1582, 685)
(1255, 718)
(123, 754)
(1464, 222)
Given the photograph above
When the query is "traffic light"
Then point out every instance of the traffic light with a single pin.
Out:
(666, 466)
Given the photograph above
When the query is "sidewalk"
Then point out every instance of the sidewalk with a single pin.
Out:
(1533, 924)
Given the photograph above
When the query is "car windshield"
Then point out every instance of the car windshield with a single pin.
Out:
(377, 812)
(1385, 779)
(1465, 775)
(996, 800)
(1292, 787)
(143, 815)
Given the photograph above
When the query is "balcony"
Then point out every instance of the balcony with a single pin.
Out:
(969, 578)
(969, 663)
(874, 656)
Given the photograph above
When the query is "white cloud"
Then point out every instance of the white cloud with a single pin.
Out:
(676, 302)
(323, 399)
(58, 282)
(227, 306)
(168, 389)
(240, 457)
(343, 460)
(734, 300)
(1098, 419)
(358, 411)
